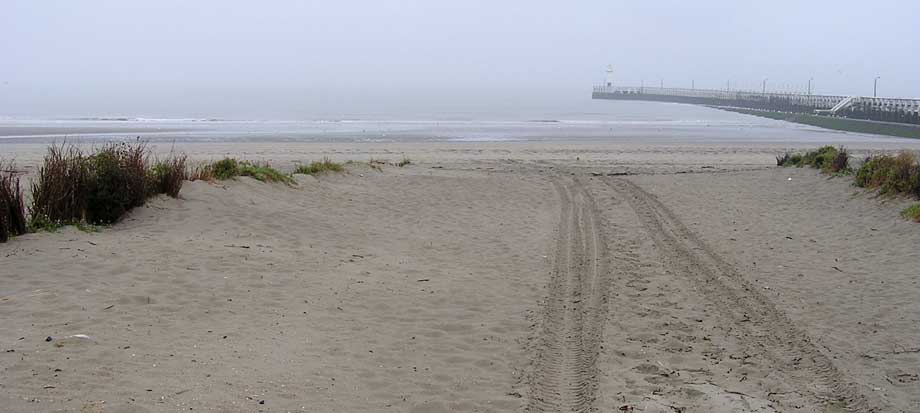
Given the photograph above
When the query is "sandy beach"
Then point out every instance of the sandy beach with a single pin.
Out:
(454, 206)
(494, 277)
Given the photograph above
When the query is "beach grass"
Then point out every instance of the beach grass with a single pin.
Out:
(404, 162)
(320, 167)
(12, 208)
(167, 176)
(75, 188)
(376, 164)
(116, 181)
(264, 173)
(894, 175)
(227, 168)
(912, 213)
(897, 174)
(59, 192)
(230, 168)
(829, 159)
(891, 174)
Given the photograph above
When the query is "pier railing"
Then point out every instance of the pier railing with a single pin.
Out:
(857, 107)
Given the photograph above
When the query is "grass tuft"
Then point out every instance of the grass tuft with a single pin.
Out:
(838, 162)
(404, 162)
(59, 192)
(116, 181)
(224, 169)
(891, 174)
(828, 159)
(912, 213)
(167, 176)
(264, 173)
(201, 172)
(73, 188)
(376, 164)
(12, 208)
(782, 160)
(229, 168)
(320, 167)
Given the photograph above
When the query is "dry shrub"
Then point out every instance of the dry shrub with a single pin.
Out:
(320, 167)
(202, 172)
(783, 160)
(12, 209)
(839, 161)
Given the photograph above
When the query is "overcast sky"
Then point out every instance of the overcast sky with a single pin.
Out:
(302, 59)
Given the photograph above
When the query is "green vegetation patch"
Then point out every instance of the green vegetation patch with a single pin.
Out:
(229, 168)
(828, 159)
(167, 176)
(912, 213)
(74, 188)
(890, 174)
(320, 167)
(264, 173)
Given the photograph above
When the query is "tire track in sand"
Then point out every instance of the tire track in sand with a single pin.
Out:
(565, 373)
(760, 325)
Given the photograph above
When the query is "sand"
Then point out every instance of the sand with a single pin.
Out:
(496, 277)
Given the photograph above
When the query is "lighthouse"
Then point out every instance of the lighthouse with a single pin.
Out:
(609, 80)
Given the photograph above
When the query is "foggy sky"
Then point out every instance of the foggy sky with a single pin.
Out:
(303, 60)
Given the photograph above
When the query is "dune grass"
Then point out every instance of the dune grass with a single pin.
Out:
(59, 192)
(98, 188)
(827, 158)
(167, 176)
(116, 181)
(891, 174)
(74, 188)
(894, 175)
(229, 168)
(376, 164)
(320, 167)
(264, 173)
(404, 162)
(912, 213)
(12, 208)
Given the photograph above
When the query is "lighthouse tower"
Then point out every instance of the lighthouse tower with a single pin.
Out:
(609, 79)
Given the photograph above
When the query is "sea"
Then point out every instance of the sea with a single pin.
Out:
(589, 120)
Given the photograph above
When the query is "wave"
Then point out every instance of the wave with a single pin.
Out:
(143, 119)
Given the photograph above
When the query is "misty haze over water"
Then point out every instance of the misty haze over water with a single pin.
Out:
(305, 60)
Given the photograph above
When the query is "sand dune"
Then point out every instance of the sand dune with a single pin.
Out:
(477, 285)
